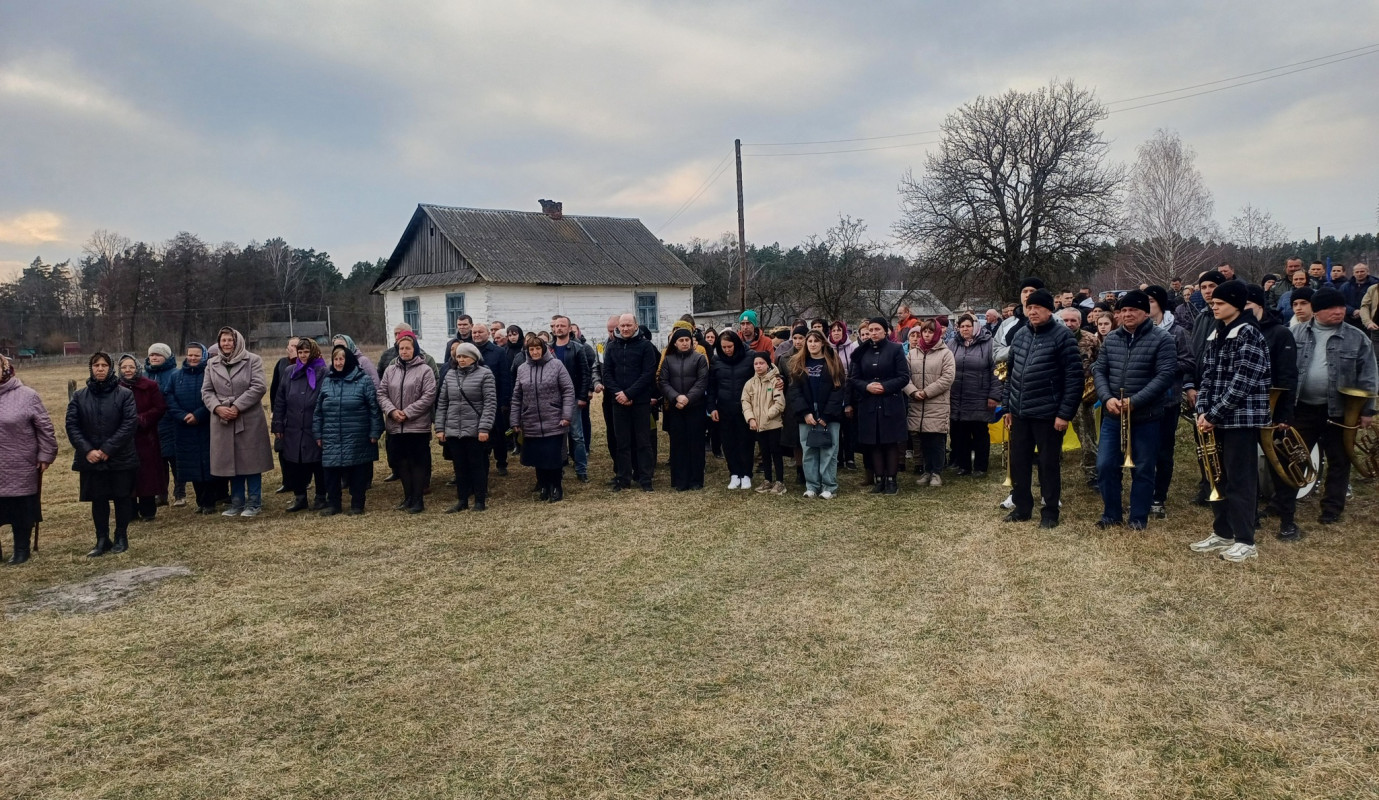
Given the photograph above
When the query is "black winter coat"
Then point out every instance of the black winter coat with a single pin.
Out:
(1045, 379)
(687, 374)
(629, 366)
(974, 381)
(800, 399)
(727, 376)
(1283, 364)
(294, 411)
(1143, 365)
(103, 417)
(578, 366)
(881, 418)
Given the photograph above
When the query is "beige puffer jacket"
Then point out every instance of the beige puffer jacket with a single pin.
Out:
(762, 402)
(931, 373)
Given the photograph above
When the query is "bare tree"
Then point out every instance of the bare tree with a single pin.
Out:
(284, 265)
(1261, 239)
(1169, 211)
(836, 268)
(1019, 184)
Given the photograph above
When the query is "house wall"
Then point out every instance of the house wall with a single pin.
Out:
(531, 307)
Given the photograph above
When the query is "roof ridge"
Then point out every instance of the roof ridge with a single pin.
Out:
(526, 213)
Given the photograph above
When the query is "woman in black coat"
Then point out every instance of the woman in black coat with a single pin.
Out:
(294, 409)
(684, 379)
(877, 378)
(731, 369)
(101, 421)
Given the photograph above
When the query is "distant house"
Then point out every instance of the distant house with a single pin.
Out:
(270, 335)
(887, 302)
(521, 267)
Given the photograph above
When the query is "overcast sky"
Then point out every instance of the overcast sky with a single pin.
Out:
(326, 122)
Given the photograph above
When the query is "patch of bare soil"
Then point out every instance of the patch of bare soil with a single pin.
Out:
(101, 593)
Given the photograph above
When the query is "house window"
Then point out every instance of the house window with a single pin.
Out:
(646, 310)
(411, 313)
(454, 307)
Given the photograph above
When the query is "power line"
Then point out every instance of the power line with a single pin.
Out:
(831, 152)
(714, 175)
(838, 141)
(1246, 75)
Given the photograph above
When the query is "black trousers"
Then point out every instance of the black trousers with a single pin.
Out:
(932, 450)
(210, 492)
(498, 438)
(356, 477)
(297, 476)
(685, 428)
(635, 457)
(971, 444)
(146, 507)
(470, 457)
(409, 454)
(1312, 422)
(738, 441)
(1234, 514)
(847, 441)
(609, 404)
(100, 515)
(771, 456)
(1163, 466)
(715, 435)
(1025, 436)
(550, 478)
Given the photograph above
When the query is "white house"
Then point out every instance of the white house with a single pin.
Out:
(522, 267)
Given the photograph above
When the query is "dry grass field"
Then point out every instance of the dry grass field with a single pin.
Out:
(709, 644)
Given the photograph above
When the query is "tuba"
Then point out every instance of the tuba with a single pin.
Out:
(1288, 455)
(1362, 458)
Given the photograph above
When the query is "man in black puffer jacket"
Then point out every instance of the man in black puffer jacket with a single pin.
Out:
(1042, 393)
(1164, 320)
(1283, 370)
(1134, 371)
(629, 381)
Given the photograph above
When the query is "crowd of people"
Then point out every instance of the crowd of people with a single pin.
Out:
(1121, 371)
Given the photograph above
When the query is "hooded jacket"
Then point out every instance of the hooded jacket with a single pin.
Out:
(932, 373)
(102, 417)
(26, 438)
(347, 421)
(543, 396)
(1235, 376)
(761, 401)
(409, 386)
(728, 375)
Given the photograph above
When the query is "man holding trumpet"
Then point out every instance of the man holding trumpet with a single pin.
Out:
(1232, 405)
(1133, 373)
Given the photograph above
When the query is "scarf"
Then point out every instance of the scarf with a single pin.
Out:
(237, 354)
(138, 370)
(111, 382)
(351, 363)
(312, 367)
(927, 346)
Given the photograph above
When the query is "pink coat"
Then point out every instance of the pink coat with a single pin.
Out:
(26, 438)
(411, 388)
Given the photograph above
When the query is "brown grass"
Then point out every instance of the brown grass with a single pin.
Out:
(715, 644)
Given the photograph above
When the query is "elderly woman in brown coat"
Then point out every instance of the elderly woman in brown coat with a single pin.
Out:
(240, 449)
(932, 370)
(27, 448)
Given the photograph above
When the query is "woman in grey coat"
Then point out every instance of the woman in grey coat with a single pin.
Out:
(407, 395)
(973, 397)
(466, 407)
(240, 449)
(543, 401)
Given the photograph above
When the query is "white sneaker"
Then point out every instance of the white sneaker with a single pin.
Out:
(935, 480)
(746, 482)
(1211, 544)
(232, 511)
(178, 502)
(826, 494)
(1009, 503)
(735, 483)
(1239, 551)
(809, 493)
(909, 455)
(922, 480)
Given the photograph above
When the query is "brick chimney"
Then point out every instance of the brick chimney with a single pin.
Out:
(552, 209)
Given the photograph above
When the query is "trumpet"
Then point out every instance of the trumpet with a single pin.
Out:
(1363, 457)
(1289, 454)
(1125, 431)
(1207, 453)
(1006, 451)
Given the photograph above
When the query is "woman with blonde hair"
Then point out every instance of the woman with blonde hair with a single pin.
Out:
(817, 393)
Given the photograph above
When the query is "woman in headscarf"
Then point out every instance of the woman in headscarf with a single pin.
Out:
(193, 437)
(684, 378)
(294, 407)
(27, 448)
(365, 363)
(931, 377)
(240, 447)
(347, 424)
(152, 478)
(515, 344)
(974, 396)
(161, 368)
(731, 370)
(543, 398)
(407, 396)
(711, 429)
(466, 408)
(844, 345)
(877, 377)
(101, 422)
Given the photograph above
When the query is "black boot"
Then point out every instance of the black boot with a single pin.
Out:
(457, 508)
(479, 504)
(557, 494)
(545, 492)
(121, 542)
(21, 550)
(102, 547)
(891, 486)
(298, 504)
(417, 505)
(319, 503)
(878, 486)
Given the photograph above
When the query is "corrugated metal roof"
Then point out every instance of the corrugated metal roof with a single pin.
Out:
(530, 247)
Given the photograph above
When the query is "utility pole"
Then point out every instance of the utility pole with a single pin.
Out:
(1319, 243)
(329, 330)
(741, 231)
(291, 331)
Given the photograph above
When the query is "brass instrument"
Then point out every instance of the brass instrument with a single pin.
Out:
(1361, 459)
(1001, 371)
(1366, 447)
(1125, 431)
(1207, 453)
(1288, 455)
(1006, 421)
(1089, 390)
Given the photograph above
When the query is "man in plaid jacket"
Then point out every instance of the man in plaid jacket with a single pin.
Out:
(1233, 403)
